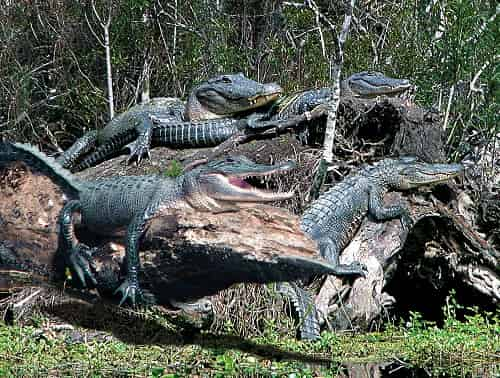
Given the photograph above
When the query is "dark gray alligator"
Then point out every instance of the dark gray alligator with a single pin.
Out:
(334, 218)
(106, 205)
(216, 100)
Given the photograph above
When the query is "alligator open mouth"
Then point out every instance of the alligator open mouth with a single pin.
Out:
(241, 187)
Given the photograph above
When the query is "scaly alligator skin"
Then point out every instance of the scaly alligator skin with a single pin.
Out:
(217, 98)
(303, 304)
(166, 132)
(109, 204)
(334, 218)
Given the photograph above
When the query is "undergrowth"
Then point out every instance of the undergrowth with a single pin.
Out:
(460, 348)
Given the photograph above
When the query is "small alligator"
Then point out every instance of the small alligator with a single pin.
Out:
(295, 109)
(362, 84)
(216, 100)
(110, 204)
(334, 218)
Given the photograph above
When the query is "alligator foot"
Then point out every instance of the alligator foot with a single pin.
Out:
(353, 269)
(131, 290)
(201, 306)
(406, 221)
(80, 260)
(259, 121)
(138, 148)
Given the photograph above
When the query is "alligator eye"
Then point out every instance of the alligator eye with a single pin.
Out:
(226, 80)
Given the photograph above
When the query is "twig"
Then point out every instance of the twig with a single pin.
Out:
(27, 299)
(483, 27)
(106, 44)
(473, 87)
(450, 100)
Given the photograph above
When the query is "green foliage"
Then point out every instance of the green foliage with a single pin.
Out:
(174, 169)
(53, 78)
(458, 348)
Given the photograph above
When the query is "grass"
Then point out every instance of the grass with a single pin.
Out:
(459, 348)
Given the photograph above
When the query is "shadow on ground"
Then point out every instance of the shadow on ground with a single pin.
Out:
(135, 328)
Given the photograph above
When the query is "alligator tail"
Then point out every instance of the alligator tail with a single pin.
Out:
(304, 306)
(83, 145)
(10, 152)
(103, 152)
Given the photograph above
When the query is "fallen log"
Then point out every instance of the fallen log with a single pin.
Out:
(186, 255)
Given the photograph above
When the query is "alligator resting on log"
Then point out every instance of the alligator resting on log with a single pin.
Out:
(201, 253)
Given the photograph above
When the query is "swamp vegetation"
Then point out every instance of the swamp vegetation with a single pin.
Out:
(55, 87)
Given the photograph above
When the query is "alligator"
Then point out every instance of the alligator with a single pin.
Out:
(109, 204)
(216, 99)
(292, 110)
(362, 84)
(334, 218)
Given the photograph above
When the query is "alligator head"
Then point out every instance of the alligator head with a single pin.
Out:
(221, 185)
(408, 173)
(227, 95)
(372, 84)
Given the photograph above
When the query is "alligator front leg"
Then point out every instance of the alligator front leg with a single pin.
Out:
(262, 121)
(330, 251)
(140, 147)
(78, 256)
(83, 145)
(130, 288)
(377, 209)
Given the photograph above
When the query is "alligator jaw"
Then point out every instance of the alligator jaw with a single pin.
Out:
(430, 174)
(234, 187)
(229, 95)
(373, 84)
(242, 191)
(270, 93)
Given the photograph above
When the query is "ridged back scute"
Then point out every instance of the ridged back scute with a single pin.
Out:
(36, 159)
(384, 171)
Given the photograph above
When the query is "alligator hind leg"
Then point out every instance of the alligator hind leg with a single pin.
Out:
(329, 250)
(83, 145)
(140, 147)
(130, 287)
(78, 256)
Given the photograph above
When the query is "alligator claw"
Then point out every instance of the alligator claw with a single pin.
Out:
(258, 121)
(358, 269)
(138, 149)
(406, 222)
(80, 260)
(130, 290)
